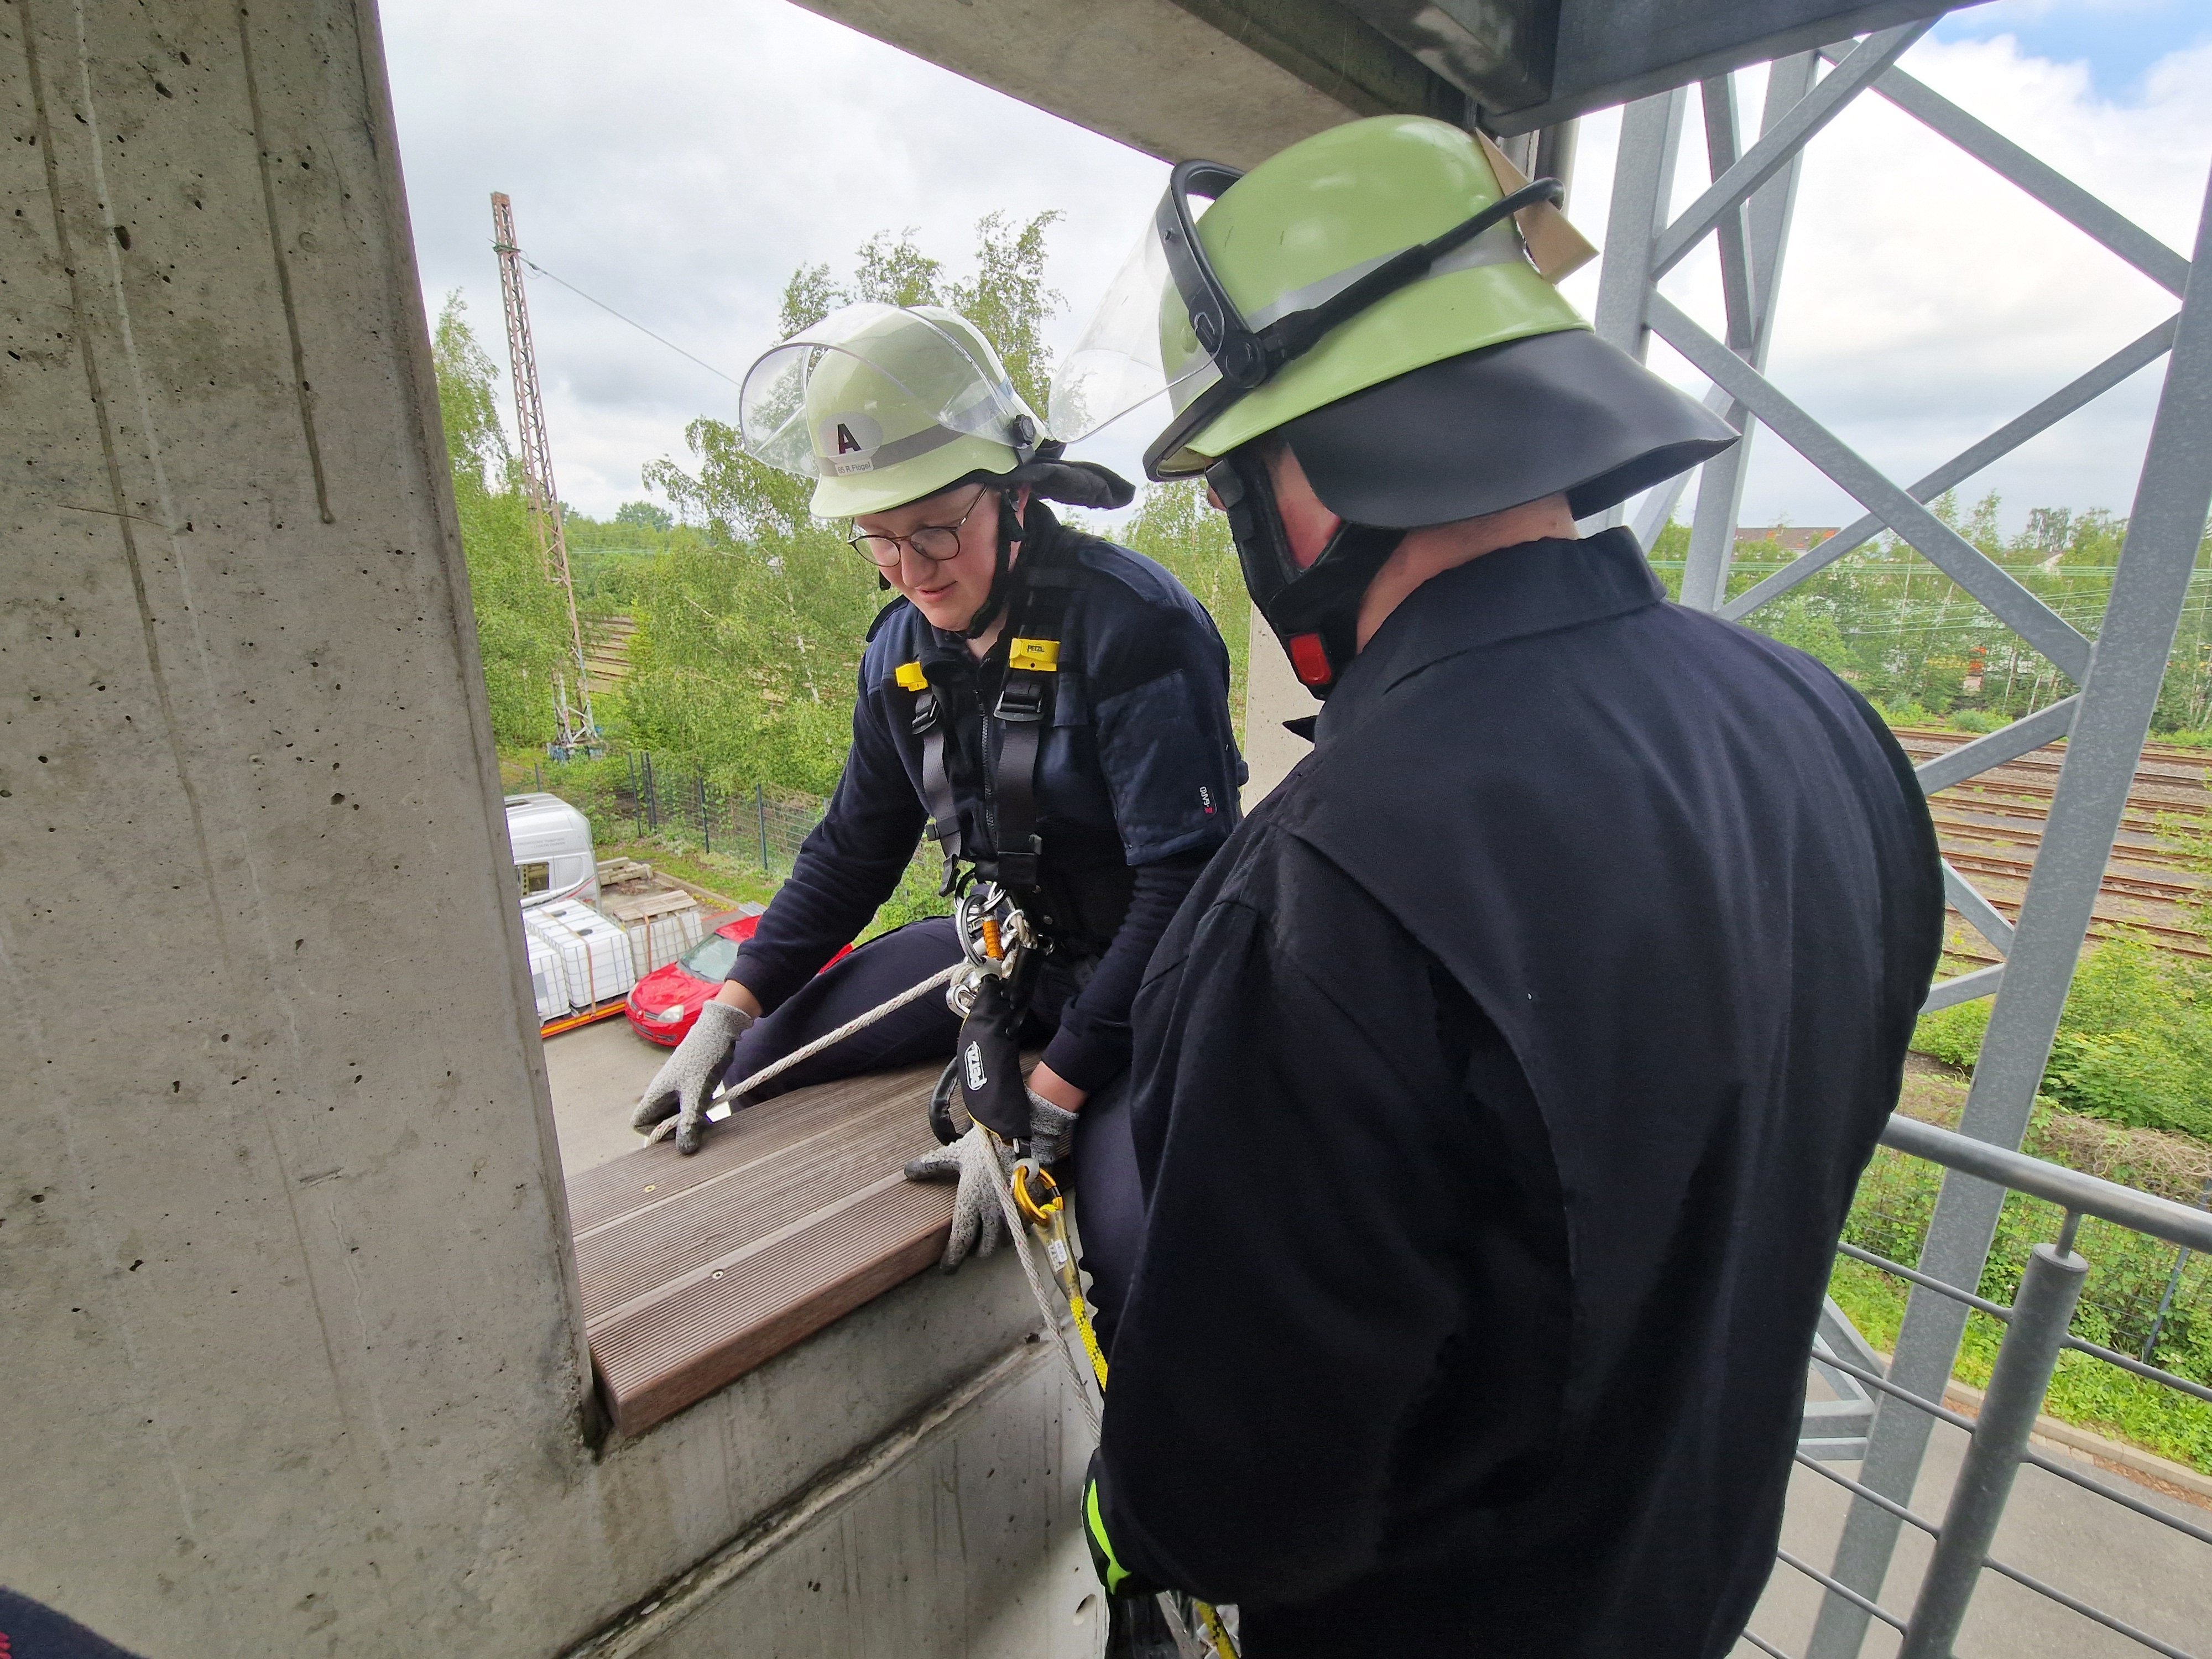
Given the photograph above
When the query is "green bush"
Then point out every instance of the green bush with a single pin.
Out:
(1953, 1034)
(2127, 1279)
(1977, 720)
(2134, 1045)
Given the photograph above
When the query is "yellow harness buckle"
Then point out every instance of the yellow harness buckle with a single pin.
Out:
(911, 678)
(1038, 656)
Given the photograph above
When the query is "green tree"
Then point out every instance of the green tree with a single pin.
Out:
(646, 515)
(1175, 526)
(522, 632)
(1008, 301)
(897, 273)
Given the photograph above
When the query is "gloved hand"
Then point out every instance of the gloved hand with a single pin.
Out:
(979, 1221)
(1052, 1131)
(680, 1088)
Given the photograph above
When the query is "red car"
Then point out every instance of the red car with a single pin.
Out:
(664, 1005)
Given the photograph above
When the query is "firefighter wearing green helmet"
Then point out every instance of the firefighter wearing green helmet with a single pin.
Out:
(1500, 1088)
(1050, 708)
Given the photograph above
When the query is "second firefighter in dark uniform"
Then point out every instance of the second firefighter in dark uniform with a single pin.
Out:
(1502, 1087)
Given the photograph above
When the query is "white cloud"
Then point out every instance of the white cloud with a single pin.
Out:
(679, 163)
(677, 160)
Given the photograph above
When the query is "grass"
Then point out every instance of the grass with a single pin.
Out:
(2084, 1391)
(2128, 1275)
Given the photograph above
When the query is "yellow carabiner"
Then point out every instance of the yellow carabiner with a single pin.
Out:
(1035, 1212)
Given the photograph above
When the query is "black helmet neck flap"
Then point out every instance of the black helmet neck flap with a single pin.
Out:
(1314, 611)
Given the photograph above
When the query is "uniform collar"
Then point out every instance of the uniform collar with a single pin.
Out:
(1536, 588)
(949, 652)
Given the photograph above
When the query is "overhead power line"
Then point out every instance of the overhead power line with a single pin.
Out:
(660, 338)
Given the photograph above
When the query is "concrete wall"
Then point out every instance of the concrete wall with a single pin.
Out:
(286, 1314)
(1272, 696)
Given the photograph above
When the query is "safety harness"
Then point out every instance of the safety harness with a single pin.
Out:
(1010, 846)
(991, 864)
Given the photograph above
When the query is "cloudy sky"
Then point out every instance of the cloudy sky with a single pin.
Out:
(675, 159)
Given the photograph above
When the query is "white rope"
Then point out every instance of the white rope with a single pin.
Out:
(666, 1127)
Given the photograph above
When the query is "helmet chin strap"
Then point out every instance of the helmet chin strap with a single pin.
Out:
(1011, 531)
(1314, 612)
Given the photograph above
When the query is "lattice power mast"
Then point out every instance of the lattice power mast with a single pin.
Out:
(577, 729)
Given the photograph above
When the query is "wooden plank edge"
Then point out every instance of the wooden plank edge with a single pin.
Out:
(718, 1366)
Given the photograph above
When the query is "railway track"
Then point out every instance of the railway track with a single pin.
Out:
(1989, 828)
(607, 658)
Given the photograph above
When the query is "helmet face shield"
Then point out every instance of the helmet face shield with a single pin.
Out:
(873, 386)
(1137, 351)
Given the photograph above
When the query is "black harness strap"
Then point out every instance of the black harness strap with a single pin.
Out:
(930, 721)
(1011, 845)
(1024, 705)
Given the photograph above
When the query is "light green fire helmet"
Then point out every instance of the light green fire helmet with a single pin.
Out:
(884, 405)
(1352, 258)
(1378, 299)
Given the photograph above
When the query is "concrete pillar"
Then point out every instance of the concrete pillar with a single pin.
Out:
(1272, 696)
(287, 1313)
(283, 1212)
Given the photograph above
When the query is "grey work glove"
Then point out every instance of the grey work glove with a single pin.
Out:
(979, 1220)
(1052, 1131)
(682, 1087)
(978, 1223)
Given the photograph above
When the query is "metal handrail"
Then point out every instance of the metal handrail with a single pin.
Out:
(2036, 1331)
(2089, 1194)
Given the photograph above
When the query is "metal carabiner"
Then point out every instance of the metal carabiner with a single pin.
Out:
(1038, 1214)
(994, 938)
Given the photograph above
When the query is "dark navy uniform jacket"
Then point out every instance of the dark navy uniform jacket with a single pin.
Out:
(1500, 1092)
(1139, 773)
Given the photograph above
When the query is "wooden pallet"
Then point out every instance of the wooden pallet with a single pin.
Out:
(696, 1270)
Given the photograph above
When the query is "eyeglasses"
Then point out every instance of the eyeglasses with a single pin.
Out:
(934, 542)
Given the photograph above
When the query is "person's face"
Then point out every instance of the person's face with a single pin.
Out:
(946, 591)
(1307, 525)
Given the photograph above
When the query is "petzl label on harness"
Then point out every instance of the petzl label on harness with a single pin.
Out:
(1038, 656)
(911, 678)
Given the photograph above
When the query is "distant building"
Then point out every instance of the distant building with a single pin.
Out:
(1795, 537)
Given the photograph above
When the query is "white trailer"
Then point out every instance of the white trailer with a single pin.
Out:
(551, 842)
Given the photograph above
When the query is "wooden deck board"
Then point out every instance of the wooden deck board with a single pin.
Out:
(695, 1270)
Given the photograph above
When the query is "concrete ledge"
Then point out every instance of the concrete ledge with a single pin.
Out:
(1013, 1534)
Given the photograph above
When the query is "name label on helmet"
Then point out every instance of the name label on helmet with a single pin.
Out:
(847, 442)
(1038, 656)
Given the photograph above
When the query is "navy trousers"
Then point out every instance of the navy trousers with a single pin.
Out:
(1108, 1198)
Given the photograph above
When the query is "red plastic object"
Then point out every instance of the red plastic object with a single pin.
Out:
(1309, 659)
(682, 987)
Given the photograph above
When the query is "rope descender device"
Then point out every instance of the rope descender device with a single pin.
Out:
(995, 938)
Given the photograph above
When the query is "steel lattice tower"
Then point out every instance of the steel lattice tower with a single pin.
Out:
(576, 728)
